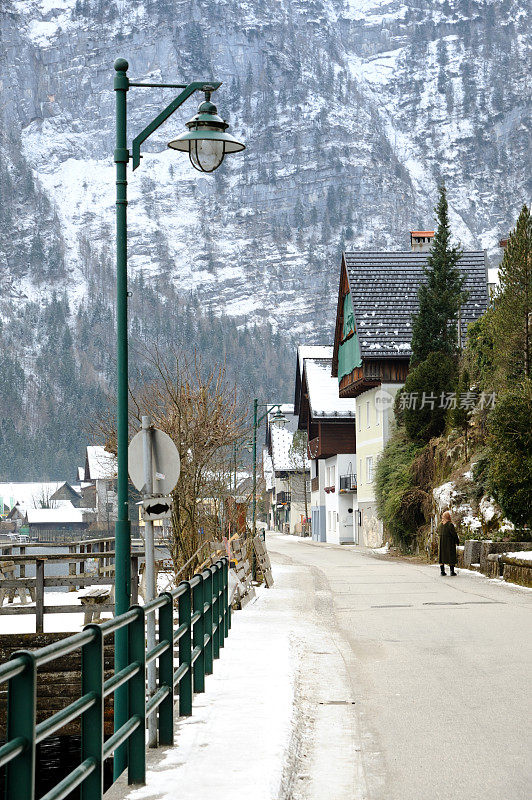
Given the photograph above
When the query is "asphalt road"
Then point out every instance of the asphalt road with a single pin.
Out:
(410, 686)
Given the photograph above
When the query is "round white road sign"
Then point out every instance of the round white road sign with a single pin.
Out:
(166, 464)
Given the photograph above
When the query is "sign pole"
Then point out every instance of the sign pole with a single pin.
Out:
(150, 572)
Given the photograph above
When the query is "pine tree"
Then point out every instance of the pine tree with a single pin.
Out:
(435, 326)
(513, 305)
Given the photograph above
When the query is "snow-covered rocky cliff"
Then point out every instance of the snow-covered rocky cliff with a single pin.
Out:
(351, 111)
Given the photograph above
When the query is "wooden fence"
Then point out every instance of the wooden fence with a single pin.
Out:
(13, 578)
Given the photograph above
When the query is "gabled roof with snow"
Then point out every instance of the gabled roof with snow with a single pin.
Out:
(63, 515)
(281, 440)
(323, 398)
(99, 464)
(305, 352)
(281, 443)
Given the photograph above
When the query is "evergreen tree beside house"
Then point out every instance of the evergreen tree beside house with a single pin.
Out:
(495, 363)
(438, 332)
(435, 326)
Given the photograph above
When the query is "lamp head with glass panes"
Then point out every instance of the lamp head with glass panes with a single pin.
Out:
(278, 419)
(206, 140)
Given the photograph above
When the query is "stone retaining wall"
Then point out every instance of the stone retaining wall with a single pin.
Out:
(494, 566)
(488, 547)
(471, 552)
(517, 570)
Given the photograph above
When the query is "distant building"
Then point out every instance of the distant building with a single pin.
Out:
(66, 493)
(99, 483)
(26, 495)
(288, 478)
(64, 518)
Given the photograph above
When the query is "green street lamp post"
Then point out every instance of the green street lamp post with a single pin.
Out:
(279, 420)
(207, 143)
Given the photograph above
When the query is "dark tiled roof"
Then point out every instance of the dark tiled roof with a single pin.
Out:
(384, 290)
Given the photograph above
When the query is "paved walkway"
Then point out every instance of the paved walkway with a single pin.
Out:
(423, 689)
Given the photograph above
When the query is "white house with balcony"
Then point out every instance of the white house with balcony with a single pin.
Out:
(330, 425)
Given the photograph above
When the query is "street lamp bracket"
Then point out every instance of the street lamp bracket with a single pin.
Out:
(168, 111)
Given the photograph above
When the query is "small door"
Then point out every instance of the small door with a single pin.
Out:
(347, 533)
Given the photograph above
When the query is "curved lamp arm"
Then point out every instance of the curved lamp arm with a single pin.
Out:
(168, 111)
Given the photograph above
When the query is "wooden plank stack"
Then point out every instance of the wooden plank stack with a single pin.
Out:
(263, 560)
(245, 591)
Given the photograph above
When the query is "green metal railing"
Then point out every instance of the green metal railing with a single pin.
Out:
(204, 620)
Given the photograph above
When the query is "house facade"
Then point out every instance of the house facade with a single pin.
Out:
(100, 473)
(288, 495)
(378, 294)
(329, 422)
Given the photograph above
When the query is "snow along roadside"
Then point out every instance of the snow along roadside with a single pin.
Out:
(237, 737)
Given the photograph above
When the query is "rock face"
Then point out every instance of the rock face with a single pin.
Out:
(352, 111)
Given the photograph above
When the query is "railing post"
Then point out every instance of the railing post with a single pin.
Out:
(21, 703)
(136, 747)
(82, 549)
(216, 585)
(207, 619)
(225, 596)
(39, 596)
(221, 604)
(166, 671)
(72, 568)
(198, 636)
(185, 652)
(92, 732)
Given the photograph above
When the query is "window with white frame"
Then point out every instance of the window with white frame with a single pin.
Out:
(360, 471)
(367, 414)
(369, 469)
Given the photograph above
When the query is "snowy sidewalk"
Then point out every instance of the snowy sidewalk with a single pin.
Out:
(263, 728)
(234, 743)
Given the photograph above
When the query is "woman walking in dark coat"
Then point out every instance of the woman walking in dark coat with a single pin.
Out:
(448, 541)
